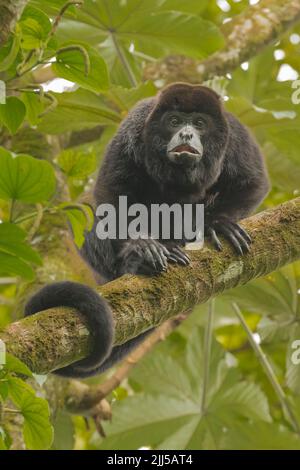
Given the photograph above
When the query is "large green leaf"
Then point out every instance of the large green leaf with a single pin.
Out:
(25, 178)
(78, 110)
(168, 413)
(83, 66)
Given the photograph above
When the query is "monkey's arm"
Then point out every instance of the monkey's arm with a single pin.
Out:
(242, 186)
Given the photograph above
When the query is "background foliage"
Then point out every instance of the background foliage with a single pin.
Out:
(71, 74)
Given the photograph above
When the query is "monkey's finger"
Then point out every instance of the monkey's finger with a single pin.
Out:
(243, 233)
(178, 259)
(231, 237)
(174, 259)
(181, 255)
(164, 249)
(214, 239)
(150, 259)
(159, 258)
(243, 242)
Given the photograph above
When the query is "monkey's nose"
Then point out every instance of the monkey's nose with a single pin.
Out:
(185, 136)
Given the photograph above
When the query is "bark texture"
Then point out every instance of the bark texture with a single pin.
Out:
(59, 336)
(10, 12)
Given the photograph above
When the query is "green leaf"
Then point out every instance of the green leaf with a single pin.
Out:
(9, 52)
(192, 6)
(3, 390)
(37, 430)
(260, 436)
(81, 218)
(63, 431)
(171, 32)
(35, 27)
(13, 364)
(34, 107)
(13, 266)
(12, 241)
(89, 72)
(5, 439)
(78, 110)
(25, 178)
(77, 163)
(12, 113)
(126, 98)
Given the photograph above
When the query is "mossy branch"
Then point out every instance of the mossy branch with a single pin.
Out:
(245, 35)
(59, 336)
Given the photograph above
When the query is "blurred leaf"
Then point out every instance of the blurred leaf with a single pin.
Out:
(126, 98)
(81, 218)
(34, 106)
(35, 27)
(78, 110)
(77, 163)
(9, 52)
(13, 266)
(63, 431)
(12, 113)
(13, 364)
(168, 414)
(260, 436)
(170, 32)
(25, 179)
(12, 241)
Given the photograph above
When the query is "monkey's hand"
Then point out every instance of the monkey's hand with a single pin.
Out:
(143, 256)
(232, 231)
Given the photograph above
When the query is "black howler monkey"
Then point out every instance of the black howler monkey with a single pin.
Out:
(178, 147)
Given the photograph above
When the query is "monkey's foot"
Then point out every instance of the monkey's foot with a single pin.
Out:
(143, 256)
(232, 231)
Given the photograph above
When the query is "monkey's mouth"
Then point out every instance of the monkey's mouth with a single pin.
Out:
(185, 149)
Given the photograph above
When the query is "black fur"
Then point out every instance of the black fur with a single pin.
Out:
(230, 180)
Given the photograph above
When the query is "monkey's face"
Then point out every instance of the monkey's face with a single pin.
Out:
(186, 135)
(183, 134)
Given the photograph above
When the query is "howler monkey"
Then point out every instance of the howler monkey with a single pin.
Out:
(178, 147)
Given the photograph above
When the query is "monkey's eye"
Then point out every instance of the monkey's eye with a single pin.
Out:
(200, 123)
(174, 121)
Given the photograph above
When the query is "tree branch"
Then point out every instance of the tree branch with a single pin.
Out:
(59, 336)
(246, 35)
(10, 12)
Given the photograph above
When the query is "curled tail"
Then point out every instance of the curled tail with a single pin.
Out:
(100, 322)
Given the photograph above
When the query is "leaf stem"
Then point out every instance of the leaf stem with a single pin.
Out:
(207, 351)
(287, 410)
(124, 61)
(11, 211)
